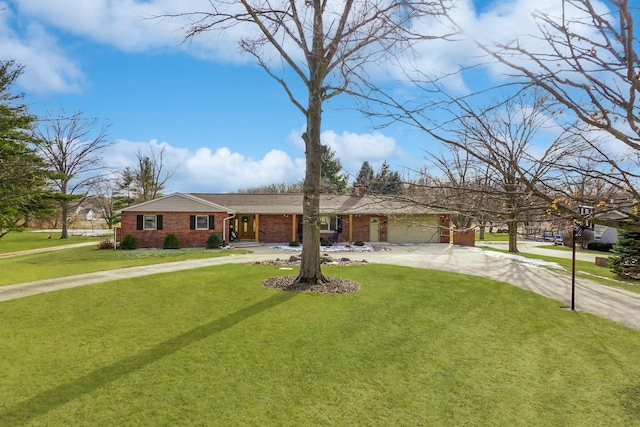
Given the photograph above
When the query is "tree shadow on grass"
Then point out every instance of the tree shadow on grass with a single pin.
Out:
(50, 399)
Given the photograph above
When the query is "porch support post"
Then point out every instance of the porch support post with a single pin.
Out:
(294, 227)
(257, 220)
(350, 228)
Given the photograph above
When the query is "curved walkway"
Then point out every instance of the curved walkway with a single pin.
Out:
(608, 302)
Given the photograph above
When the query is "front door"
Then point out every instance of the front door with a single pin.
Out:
(246, 227)
(374, 229)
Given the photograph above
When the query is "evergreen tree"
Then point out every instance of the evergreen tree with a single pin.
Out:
(386, 181)
(364, 179)
(332, 180)
(22, 172)
(626, 262)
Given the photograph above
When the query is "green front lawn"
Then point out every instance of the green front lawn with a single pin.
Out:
(88, 259)
(212, 347)
(21, 241)
(493, 237)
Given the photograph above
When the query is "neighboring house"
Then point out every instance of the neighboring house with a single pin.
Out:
(604, 233)
(277, 218)
(88, 214)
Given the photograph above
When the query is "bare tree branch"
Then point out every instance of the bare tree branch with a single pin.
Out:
(71, 146)
(326, 46)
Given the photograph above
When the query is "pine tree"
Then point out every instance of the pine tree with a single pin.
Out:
(22, 171)
(332, 180)
(626, 262)
(386, 181)
(364, 179)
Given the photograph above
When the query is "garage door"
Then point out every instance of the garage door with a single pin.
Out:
(413, 229)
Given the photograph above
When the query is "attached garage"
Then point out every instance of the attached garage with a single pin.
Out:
(413, 229)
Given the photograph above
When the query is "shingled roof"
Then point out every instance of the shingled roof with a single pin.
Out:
(329, 204)
(277, 204)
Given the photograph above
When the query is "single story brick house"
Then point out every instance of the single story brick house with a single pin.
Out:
(277, 218)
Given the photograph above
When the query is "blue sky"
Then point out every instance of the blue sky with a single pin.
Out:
(225, 124)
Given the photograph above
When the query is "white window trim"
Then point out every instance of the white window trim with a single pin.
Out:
(333, 223)
(155, 222)
(206, 217)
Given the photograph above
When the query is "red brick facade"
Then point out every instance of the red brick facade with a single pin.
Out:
(361, 228)
(177, 223)
(270, 228)
(277, 228)
(284, 228)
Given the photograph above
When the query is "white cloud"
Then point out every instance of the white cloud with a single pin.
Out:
(502, 21)
(512, 20)
(49, 68)
(127, 25)
(354, 148)
(212, 171)
(222, 170)
(135, 26)
(120, 23)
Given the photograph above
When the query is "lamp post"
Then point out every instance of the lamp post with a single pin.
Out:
(576, 231)
(578, 228)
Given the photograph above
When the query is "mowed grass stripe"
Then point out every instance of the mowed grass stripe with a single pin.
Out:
(16, 241)
(212, 347)
(82, 260)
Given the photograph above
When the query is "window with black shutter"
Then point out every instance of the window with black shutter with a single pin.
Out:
(149, 222)
(201, 222)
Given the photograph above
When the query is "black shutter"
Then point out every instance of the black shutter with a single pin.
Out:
(211, 223)
(192, 222)
(159, 222)
(339, 224)
(139, 222)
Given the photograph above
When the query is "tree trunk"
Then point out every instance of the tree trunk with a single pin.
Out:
(310, 272)
(482, 229)
(512, 227)
(64, 207)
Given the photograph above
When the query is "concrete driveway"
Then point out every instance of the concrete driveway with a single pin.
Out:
(608, 302)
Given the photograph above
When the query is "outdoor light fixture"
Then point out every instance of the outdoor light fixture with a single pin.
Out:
(577, 229)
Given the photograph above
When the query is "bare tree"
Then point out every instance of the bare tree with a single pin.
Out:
(277, 188)
(500, 138)
(504, 140)
(148, 179)
(586, 59)
(71, 146)
(109, 199)
(326, 46)
(459, 183)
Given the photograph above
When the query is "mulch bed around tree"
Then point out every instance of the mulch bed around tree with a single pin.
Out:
(333, 285)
